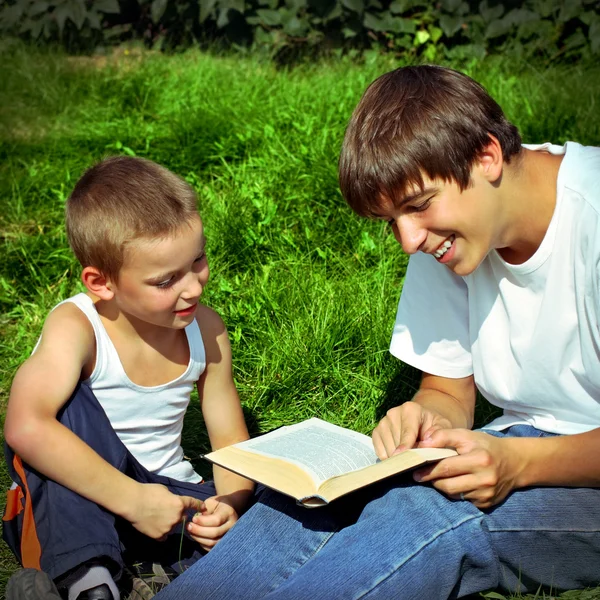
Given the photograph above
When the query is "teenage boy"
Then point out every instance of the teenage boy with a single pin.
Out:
(94, 420)
(502, 294)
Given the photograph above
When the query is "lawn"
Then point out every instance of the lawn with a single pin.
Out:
(308, 291)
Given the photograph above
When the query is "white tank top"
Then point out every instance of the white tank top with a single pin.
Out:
(148, 420)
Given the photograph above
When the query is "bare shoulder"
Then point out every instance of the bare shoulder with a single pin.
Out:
(214, 333)
(67, 327)
(210, 323)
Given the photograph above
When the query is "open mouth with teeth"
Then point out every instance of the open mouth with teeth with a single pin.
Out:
(444, 247)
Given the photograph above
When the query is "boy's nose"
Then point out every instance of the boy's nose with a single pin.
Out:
(409, 235)
(193, 287)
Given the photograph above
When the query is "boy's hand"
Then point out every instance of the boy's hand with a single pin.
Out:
(404, 426)
(157, 510)
(484, 473)
(211, 523)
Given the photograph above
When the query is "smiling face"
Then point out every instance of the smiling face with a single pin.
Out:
(458, 228)
(161, 280)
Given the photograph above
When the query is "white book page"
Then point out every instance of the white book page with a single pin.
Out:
(320, 448)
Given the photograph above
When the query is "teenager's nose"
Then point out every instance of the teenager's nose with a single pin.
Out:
(409, 234)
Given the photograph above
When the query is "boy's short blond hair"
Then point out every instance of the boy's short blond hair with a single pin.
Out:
(122, 199)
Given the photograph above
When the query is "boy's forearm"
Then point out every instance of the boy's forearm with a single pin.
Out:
(66, 459)
(237, 488)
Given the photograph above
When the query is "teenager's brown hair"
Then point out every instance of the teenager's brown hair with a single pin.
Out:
(418, 120)
(122, 199)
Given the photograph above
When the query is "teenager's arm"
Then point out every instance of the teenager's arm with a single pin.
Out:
(489, 468)
(221, 406)
(40, 388)
(440, 403)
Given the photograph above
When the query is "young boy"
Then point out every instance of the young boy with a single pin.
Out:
(501, 295)
(95, 415)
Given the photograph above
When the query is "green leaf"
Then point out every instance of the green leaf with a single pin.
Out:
(94, 20)
(494, 596)
(518, 16)
(271, 18)
(577, 40)
(238, 5)
(38, 8)
(11, 15)
(490, 13)
(107, 6)
(569, 10)
(357, 6)
(421, 37)
(60, 14)
(78, 12)
(370, 21)
(206, 9)
(594, 35)
(498, 28)
(295, 26)
(435, 32)
(450, 25)
(451, 5)
(157, 10)
(398, 7)
(223, 18)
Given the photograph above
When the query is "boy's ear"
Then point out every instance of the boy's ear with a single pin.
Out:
(97, 283)
(491, 161)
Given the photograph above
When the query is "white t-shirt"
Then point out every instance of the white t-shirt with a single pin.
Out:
(529, 333)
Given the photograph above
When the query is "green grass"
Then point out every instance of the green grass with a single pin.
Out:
(307, 290)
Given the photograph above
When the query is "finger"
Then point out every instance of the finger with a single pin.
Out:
(458, 488)
(208, 533)
(454, 466)
(215, 519)
(190, 503)
(383, 441)
(460, 439)
(411, 425)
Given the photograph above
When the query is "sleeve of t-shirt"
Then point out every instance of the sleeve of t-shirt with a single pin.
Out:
(431, 331)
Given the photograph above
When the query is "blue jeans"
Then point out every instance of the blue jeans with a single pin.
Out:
(405, 541)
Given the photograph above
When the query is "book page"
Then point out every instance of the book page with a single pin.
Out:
(322, 449)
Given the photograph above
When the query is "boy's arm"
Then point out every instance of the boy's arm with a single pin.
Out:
(41, 387)
(221, 406)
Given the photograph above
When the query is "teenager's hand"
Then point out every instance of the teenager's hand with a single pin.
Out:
(404, 426)
(157, 510)
(484, 473)
(210, 524)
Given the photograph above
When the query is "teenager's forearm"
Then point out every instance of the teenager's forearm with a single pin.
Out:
(66, 459)
(566, 460)
(239, 489)
(459, 413)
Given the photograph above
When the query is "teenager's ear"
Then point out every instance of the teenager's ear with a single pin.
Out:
(97, 283)
(491, 161)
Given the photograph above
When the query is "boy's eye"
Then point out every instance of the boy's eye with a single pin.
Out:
(201, 257)
(165, 284)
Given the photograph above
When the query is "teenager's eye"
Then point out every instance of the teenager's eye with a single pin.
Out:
(421, 207)
(201, 257)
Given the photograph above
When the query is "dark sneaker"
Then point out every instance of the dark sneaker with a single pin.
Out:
(100, 592)
(31, 584)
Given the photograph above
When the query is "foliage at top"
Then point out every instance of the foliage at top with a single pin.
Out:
(448, 29)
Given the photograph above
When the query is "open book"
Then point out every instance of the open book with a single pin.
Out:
(316, 462)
